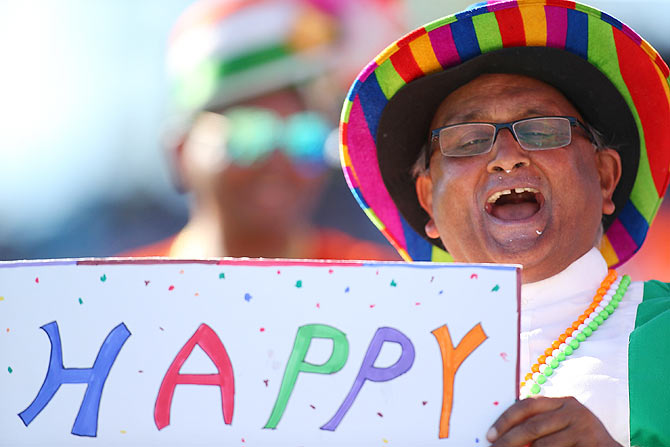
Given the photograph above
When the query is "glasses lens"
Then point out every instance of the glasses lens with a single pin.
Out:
(463, 140)
(305, 134)
(538, 134)
(252, 134)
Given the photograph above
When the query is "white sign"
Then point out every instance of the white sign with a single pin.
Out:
(255, 352)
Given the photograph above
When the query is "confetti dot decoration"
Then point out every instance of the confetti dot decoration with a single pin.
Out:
(474, 276)
(123, 432)
(37, 280)
(81, 301)
(247, 297)
(222, 275)
(2, 298)
(393, 283)
(495, 288)
(346, 290)
(9, 368)
(298, 283)
(103, 278)
(171, 288)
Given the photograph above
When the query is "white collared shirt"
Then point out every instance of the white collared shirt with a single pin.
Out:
(597, 372)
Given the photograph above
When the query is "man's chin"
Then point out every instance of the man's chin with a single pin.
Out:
(521, 245)
(530, 249)
(535, 256)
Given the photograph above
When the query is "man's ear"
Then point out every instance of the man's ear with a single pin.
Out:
(608, 163)
(424, 192)
(175, 154)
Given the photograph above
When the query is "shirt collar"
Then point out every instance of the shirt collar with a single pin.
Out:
(582, 277)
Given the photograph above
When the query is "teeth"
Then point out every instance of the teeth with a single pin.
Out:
(496, 195)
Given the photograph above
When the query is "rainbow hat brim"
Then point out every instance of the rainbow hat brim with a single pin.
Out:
(614, 65)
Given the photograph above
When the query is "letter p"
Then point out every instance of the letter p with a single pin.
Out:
(297, 364)
(369, 371)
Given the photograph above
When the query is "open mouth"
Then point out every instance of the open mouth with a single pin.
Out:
(514, 204)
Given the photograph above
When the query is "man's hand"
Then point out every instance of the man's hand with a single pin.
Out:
(546, 421)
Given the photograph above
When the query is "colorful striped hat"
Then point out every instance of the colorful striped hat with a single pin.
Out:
(616, 79)
(221, 52)
(224, 51)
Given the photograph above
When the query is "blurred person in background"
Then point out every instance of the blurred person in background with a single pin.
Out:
(260, 83)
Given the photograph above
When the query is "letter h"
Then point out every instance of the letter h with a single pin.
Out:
(86, 423)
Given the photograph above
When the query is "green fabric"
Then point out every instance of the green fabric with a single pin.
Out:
(388, 79)
(439, 255)
(648, 367)
(488, 32)
(588, 9)
(602, 53)
(440, 22)
(252, 59)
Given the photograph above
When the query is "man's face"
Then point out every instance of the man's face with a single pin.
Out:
(564, 192)
(272, 193)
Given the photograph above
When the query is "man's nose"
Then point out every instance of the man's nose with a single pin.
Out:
(506, 153)
(276, 162)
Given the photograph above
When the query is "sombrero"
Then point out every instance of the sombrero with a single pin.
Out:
(616, 79)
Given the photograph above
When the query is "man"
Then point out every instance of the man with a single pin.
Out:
(531, 132)
(259, 82)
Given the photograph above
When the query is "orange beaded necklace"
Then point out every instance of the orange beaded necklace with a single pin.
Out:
(604, 304)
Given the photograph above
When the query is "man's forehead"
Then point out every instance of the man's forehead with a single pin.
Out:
(510, 94)
(481, 114)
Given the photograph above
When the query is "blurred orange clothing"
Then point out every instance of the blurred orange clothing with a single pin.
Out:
(651, 262)
(653, 259)
(325, 244)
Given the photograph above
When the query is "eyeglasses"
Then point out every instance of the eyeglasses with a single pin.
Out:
(532, 134)
(254, 133)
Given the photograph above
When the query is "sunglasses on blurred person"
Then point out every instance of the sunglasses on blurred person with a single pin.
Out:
(244, 135)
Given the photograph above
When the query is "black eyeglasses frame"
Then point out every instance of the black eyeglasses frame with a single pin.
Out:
(435, 134)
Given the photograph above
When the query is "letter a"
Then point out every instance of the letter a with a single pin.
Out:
(451, 361)
(86, 423)
(207, 339)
